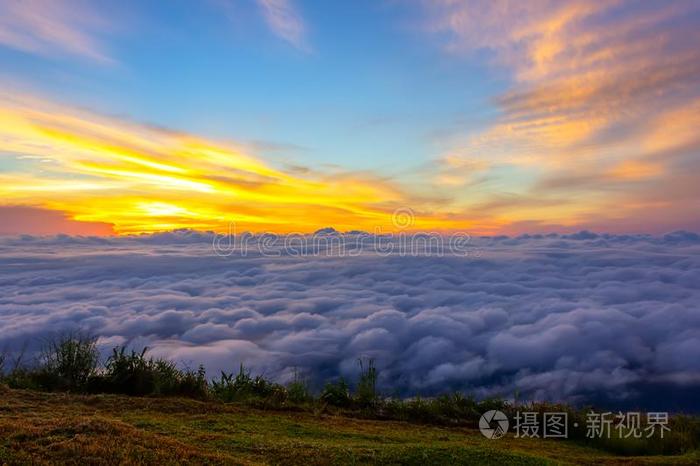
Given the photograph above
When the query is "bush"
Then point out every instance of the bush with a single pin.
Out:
(243, 387)
(298, 391)
(336, 394)
(366, 394)
(488, 404)
(459, 409)
(17, 376)
(193, 383)
(448, 409)
(129, 373)
(67, 363)
(22, 378)
(134, 374)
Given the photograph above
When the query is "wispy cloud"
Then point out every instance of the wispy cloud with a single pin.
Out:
(53, 27)
(285, 21)
(605, 92)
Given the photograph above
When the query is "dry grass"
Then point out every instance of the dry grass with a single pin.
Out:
(49, 428)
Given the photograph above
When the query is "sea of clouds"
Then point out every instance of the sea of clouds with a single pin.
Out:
(582, 318)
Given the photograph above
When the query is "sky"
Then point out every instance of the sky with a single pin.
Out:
(288, 115)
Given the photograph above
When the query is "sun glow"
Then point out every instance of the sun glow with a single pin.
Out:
(142, 179)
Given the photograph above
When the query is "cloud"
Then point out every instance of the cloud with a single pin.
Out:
(142, 178)
(580, 317)
(18, 220)
(602, 93)
(53, 27)
(285, 22)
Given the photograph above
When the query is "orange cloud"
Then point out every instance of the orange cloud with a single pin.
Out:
(603, 102)
(18, 220)
(633, 169)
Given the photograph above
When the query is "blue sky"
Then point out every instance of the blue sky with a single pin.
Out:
(366, 92)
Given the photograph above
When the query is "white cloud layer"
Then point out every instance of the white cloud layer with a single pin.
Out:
(580, 317)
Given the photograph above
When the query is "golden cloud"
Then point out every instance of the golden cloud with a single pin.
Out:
(143, 179)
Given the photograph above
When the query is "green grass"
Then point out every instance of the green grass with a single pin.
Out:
(70, 364)
(58, 428)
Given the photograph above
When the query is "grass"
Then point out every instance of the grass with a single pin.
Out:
(61, 428)
(69, 365)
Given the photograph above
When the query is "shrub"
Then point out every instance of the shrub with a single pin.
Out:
(193, 383)
(135, 374)
(129, 373)
(23, 378)
(366, 394)
(488, 404)
(67, 362)
(415, 410)
(454, 408)
(244, 387)
(17, 376)
(298, 390)
(336, 394)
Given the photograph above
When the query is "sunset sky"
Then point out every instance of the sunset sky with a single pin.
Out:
(290, 115)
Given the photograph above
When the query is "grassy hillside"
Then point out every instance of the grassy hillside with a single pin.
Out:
(48, 428)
